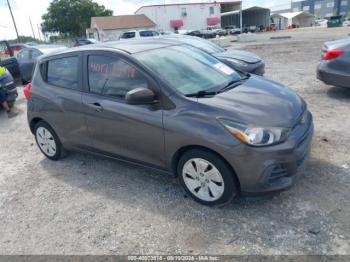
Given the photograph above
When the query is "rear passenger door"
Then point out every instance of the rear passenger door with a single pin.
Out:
(117, 128)
(60, 99)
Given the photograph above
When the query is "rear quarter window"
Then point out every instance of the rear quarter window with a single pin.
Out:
(63, 72)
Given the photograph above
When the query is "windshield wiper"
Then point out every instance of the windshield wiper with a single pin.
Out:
(202, 94)
(233, 84)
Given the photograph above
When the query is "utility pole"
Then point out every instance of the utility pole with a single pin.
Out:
(31, 25)
(241, 17)
(13, 19)
(38, 31)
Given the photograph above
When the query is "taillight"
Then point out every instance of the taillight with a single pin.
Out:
(27, 90)
(331, 54)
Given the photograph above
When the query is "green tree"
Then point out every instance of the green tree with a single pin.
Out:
(71, 17)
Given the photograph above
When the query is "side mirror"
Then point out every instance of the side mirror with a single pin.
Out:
(140, 96)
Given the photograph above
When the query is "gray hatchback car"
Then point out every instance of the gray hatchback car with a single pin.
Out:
(175, 108)
(335, 67)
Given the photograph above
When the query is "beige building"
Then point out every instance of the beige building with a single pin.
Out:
(108, 28)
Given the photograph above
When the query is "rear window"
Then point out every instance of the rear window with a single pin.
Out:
(63, 72)
(128, 35)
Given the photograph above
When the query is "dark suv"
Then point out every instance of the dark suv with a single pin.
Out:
(175, 108)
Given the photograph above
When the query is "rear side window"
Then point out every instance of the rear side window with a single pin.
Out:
(128, 35)
(148, 33)
(63, 72)
(111, 76)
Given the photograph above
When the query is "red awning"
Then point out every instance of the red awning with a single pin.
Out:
(176, 23)
(213, 20)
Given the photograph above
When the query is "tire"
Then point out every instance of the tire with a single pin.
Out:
(214, 183)
(48, 141)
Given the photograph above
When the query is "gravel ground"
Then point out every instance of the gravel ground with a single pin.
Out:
(90, 205)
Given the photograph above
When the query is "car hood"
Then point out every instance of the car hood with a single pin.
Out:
(244, 56)
(259, 102)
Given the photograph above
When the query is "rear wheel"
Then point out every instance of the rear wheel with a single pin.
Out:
(48, 142)
(207, 178)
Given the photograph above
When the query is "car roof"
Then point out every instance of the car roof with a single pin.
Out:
(45, 49)
(127, 46)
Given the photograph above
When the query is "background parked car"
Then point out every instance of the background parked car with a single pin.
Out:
(321, 22)
(217, 30)
(335, 67)
(206, 34)
(249, 28)
(8, 60)
(85, 41)
(135, 34)
(346, 22)
(237, 59)
(27, 58)
(233, 30)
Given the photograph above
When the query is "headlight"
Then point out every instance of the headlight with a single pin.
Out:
(237, 62)
(256, 136)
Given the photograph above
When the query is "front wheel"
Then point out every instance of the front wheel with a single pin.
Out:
(207, 178)
(48, 142)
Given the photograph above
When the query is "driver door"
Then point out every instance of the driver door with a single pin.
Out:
(117, 128)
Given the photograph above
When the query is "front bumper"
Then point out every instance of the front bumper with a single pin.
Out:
(332, 77)
(273, 168)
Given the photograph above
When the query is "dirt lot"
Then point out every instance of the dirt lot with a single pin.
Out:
(89, 205)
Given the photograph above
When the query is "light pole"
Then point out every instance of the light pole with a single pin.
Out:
(13, 19)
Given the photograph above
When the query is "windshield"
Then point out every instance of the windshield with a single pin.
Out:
(203, 44)
(188, 69)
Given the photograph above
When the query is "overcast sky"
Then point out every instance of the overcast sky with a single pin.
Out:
(23, 9)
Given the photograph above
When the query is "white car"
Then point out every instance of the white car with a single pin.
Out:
(135, 34)
(346, 22)
(321, 22)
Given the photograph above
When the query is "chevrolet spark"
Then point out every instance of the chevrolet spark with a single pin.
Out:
(175, 108)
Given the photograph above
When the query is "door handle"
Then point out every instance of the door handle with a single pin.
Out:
(96, 106)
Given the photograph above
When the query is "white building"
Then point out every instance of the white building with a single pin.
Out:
(188, 16)
(299, 19)
(107, 28)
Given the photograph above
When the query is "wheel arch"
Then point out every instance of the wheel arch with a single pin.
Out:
(33, 123)
(176, 157)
